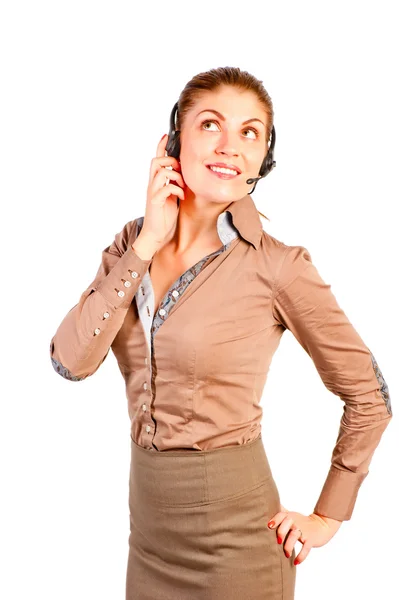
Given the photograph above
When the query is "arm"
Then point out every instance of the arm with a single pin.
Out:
(305, 304)
(84, 337)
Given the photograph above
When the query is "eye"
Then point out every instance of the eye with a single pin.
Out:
(205, 122)
(255, 131)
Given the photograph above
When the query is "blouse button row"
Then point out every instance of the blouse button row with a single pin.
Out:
(162, 311)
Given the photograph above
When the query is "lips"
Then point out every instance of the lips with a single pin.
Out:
(224, 166)
(222, 175)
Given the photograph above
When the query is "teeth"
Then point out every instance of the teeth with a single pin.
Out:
(223, 170)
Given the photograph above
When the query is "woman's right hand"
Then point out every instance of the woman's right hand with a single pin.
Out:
(161, 207)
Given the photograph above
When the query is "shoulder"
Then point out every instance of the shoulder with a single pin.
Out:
(288, 260)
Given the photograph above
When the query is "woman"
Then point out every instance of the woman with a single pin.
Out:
(193, 299)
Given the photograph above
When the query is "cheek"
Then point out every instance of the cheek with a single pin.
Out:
(193, 173)
(197, 147)
(192, 159)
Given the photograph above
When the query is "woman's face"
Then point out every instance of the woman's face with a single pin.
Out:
(207, 138)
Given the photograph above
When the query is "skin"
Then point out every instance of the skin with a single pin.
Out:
(316, 529)
(205, 197)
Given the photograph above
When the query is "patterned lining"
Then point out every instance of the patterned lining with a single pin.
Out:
(180, 285)
(383, 384)
(61, 370)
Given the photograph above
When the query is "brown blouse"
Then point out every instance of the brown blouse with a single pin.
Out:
(195, 371)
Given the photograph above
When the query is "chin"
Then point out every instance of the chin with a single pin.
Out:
(222, 191)
(226, 192)
(222, 196)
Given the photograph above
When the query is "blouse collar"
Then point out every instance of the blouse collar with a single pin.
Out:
(241, 216)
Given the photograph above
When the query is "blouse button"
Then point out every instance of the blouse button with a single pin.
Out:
(145, 385)
(127, 283)
(96, 331)
(134, 274)
(148, 428)
(145, 360)
(162, 312)
(106, 315)
(144, 407)
(175, 293)
(121, 293)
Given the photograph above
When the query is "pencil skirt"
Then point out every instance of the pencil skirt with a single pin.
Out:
(198, 526)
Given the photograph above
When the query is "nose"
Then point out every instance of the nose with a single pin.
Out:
(228, 144)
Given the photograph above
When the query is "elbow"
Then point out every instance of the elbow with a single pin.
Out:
(67, 373)
(71, 374)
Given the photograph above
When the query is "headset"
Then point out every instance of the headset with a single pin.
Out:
(173, 149)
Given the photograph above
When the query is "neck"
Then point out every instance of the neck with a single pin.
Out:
(196, 224)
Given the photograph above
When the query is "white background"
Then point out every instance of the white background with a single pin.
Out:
(87, 90)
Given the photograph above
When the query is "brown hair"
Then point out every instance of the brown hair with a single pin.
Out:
(215, 78)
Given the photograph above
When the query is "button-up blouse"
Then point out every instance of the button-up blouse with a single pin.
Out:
(196, 369)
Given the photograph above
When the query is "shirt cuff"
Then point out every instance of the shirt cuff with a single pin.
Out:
(339, 493)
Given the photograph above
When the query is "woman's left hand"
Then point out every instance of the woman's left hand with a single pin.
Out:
(316, 530)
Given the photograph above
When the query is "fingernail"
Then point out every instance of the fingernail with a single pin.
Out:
(271, 524)
(279, 540)
(296, 562)
(164, 136)
(286, 553)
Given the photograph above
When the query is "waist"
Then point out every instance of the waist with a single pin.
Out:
(186, 477)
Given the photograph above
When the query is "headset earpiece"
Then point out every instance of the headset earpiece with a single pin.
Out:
(268, 162)
(173, 145)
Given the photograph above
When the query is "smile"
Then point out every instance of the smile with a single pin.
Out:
(222, 173)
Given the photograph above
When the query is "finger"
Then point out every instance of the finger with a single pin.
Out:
(300, 557)
(161, 148)
(162, 180)
(160, 162)
(276, 520)
(162, 145)
(283, 529)
(162, 195)
(291, 540)
(165, 174)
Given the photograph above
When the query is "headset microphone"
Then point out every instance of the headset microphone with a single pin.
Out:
(252, 179)
(173, 149)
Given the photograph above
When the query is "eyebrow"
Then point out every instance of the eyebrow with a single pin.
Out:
(223, 119)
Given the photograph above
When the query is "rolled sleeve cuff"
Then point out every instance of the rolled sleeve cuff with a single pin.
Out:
(339, 493)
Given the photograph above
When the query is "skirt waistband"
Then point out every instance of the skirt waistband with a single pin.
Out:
(184, 478)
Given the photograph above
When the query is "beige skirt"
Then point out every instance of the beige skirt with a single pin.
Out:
(198, 526)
